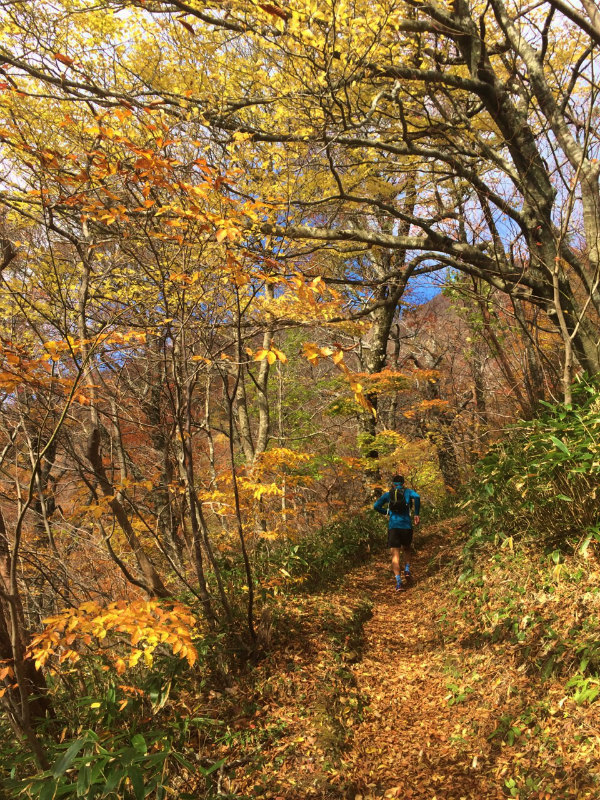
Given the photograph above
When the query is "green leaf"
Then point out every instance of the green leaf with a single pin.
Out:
(98, 769)
(139, 743)
(113, 781)
(585, 544)
(137, 781)
(65, 761)
(48, 790)
(184, 762)
(84, 780)
(561, 445)
(213, 767)
(547, 668)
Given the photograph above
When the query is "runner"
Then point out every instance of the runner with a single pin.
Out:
(400, 530)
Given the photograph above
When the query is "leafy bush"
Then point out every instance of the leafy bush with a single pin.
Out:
(111, 766)
(321, 555)
(91, 767)
(543, 480)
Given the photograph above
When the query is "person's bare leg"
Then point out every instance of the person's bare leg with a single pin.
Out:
(397, 568)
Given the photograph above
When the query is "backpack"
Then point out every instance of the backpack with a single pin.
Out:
(397, 502)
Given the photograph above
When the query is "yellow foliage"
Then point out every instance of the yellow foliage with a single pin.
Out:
(314, 354)
(424, 406)
(272, 355)
(258, 490)
(281, 456)
(148, 623)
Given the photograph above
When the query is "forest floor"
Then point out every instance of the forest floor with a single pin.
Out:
(370, 693)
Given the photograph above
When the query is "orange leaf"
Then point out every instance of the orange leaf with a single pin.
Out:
(274, 11)
(63, 59)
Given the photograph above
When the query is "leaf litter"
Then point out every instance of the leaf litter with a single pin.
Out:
(369, 693)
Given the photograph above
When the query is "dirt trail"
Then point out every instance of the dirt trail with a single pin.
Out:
(405, 705)
(418, 732)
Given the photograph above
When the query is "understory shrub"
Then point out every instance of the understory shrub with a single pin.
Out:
(320, 556)
(543, 479)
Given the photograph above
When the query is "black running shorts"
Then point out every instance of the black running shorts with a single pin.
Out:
(400, 537)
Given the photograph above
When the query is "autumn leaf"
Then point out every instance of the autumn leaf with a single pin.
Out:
(275, 10)
(186, 25)
(239, 137)
(63, 59)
